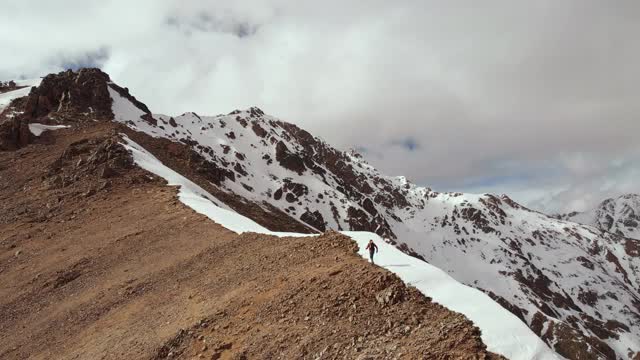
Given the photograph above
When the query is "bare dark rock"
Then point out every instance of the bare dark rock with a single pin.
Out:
(240, 169)
(369, 207)
(255, 112)
(585, 262)
(66, 277)
(572, 345)
(107, 172)
(632, 247)
(84, 91)
(314, 219)
(149, 119)
(612, 258)
(14, 134)
(289, 160)
(6, 86)
(588, 297)
(537, 324)
(258, 130)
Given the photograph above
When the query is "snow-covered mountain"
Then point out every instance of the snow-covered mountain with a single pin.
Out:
(619, 215)
(574, 285)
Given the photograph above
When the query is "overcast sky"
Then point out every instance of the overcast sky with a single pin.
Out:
(536, 99)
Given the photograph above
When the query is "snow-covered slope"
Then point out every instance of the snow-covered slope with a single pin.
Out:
(502, 332)
(620, 216)
(575, 286)
(5, 98)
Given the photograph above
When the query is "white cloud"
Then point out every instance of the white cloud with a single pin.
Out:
(541, 92)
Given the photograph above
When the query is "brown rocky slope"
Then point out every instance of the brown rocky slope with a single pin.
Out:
(98, 259)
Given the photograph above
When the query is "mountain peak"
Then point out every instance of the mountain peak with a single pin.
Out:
(82, 91)
(619, 215)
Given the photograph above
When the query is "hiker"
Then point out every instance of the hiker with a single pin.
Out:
(373, 248)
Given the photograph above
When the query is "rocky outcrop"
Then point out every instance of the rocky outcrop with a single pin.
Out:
(6, 86)
(14, 134)
(314, 219)
(289, 160)
(70, 95)
(104, 158)
(66, 97)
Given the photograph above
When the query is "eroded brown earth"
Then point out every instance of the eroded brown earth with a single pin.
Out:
(98, 259)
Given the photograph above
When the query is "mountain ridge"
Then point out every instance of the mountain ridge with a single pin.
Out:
(619, 215)
(99, 259)
(509, 251)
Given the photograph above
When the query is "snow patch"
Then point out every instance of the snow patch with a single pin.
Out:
(122, 108)
(37, 129)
